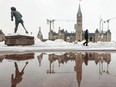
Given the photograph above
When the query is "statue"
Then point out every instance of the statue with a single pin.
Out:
(18, 19)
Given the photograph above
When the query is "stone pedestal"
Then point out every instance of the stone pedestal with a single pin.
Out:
(19, 40)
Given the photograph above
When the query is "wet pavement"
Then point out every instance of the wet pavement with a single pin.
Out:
(58, 69)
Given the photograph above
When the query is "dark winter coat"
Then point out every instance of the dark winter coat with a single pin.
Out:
(86, 34)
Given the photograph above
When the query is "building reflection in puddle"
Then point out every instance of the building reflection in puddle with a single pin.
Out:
(2, 57)
(79, 59)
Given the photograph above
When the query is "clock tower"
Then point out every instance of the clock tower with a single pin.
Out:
(78, 27)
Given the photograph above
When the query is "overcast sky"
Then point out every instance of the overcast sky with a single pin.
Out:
(35, 13)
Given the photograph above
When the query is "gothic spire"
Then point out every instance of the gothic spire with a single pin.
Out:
(79, 11)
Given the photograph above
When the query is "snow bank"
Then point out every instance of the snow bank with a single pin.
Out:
(60, 45)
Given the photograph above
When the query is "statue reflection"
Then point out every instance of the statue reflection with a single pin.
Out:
(18, 75)
(20, 57)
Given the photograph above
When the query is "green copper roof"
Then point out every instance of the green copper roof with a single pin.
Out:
(79, 11)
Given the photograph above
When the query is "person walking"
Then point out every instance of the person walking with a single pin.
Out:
(86, 38)
(18, 19)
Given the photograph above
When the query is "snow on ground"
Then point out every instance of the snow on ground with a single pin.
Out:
(59, 45)
(19, 33)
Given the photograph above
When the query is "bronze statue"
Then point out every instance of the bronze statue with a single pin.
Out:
(18, 19)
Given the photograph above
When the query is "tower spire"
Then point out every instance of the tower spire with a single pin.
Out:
(79, 11)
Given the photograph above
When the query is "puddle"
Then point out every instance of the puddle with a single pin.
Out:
(58, 69)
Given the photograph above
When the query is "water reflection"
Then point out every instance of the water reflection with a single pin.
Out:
(19, 57)
(72, 66)
(18, 75)
(40, 58)
(79, 59)
(2, 58)
(17, 78)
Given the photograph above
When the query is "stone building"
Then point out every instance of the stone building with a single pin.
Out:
(78, 35)
(39, 35)
(2, 36)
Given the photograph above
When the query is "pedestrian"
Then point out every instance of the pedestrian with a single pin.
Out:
(18, 19)
(86, 38)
